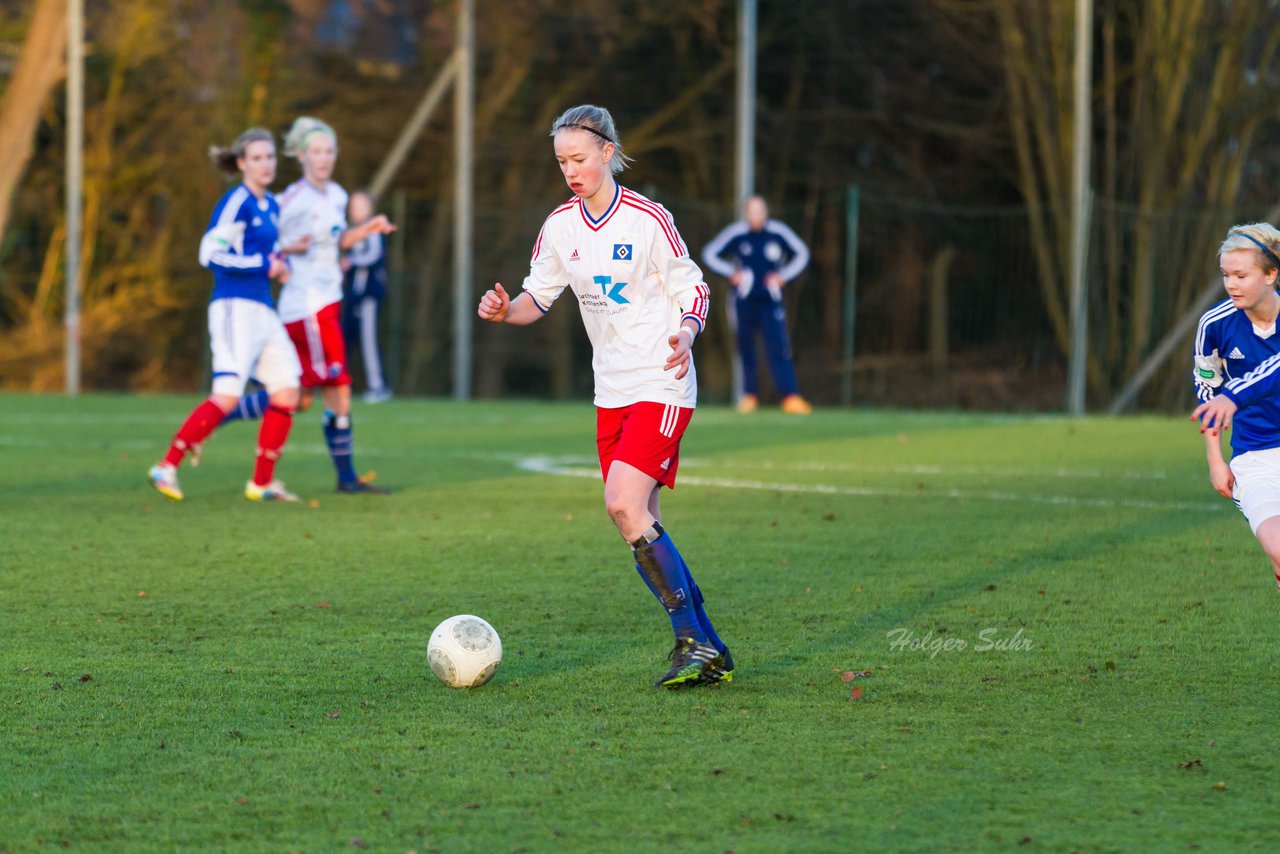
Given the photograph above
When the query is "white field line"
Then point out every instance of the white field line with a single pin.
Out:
(583, 467)
(922, 468)
(546, 465)
(687, 463)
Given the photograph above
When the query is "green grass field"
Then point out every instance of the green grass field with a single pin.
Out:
(1094, 664)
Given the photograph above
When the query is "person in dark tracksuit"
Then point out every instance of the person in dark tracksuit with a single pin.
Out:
(759, 256)
(364, 288)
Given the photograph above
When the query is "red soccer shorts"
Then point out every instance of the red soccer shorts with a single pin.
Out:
(321, 349)
(645, 435)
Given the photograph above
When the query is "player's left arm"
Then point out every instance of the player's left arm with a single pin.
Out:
(375, 225)
(1217, 413)
(799, 251)
(683, 280)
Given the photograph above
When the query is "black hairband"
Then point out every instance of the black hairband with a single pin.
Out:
(589, 129)
(1274, 260)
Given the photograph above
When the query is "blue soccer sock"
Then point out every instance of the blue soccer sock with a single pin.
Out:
(337, 435)
(660, 565)
(250, 408)
(703, 620)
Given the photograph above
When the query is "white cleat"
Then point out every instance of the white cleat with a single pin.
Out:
(273, 491)
(165, 480)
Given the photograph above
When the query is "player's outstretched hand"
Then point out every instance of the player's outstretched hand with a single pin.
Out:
(1215, 415)
(494, 305)
(381, 225)
(681, 355)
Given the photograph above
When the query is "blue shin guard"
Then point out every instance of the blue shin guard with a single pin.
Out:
(660, 565)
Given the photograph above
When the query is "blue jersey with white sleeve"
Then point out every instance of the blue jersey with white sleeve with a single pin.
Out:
(775, 248)
(1237, 359)
(237, 245)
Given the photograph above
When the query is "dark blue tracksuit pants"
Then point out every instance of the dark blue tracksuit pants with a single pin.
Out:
(765, 317)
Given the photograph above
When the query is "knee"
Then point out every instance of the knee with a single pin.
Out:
(618, 510)
(286, 399)
(625, 518)
(225, 402)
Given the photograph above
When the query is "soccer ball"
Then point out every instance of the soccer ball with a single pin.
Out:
(464, 651)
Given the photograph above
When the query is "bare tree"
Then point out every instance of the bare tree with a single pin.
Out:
(41, 65)
(1181, 98)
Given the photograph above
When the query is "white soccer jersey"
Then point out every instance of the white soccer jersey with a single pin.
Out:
(315, 277)
(635, 283)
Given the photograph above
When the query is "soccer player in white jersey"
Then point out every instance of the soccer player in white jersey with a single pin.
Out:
(1237, 380)
(643, 302)
(240, 247)
(314, 232)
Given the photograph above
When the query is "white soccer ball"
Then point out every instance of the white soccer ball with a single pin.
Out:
(464, 651)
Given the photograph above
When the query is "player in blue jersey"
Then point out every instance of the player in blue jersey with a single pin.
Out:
(643, 302)
(313, 234)
(363, 289)
(1237, 380)
(759, 256)
(241, 247)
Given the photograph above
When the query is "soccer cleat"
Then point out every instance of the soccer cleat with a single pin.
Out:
(165, 479)
(273, 491)
(748, 403)
(794, 404)
(689, 660)
(718, 669)
(361, 487)
(381, 395)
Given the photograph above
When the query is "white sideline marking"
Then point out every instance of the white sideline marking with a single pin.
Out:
(546, 465)
(582, 467)
(924, 468)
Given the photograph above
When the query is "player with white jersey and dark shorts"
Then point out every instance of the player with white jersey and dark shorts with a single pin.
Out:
(643, 302)
(314, 233)
(241, 247)
(1237, 380)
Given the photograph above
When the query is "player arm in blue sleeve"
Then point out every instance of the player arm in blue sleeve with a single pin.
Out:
(1216, 414)
(1208, 374)
(713, 252)
(799, 251)
(222, 247)
(1262, 381)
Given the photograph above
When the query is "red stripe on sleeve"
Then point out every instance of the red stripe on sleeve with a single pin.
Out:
(661, 215)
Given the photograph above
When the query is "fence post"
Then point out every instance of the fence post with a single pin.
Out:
(395, 313)
(850, 293)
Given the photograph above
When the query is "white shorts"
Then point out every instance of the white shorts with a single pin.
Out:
(248, 340)
(1257, 490)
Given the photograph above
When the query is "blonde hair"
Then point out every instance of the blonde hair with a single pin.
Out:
(1262, 238)
(226, 157)
(597, 122)
(304, 127)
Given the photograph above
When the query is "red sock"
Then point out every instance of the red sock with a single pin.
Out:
(202, 421)
(271, 436)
